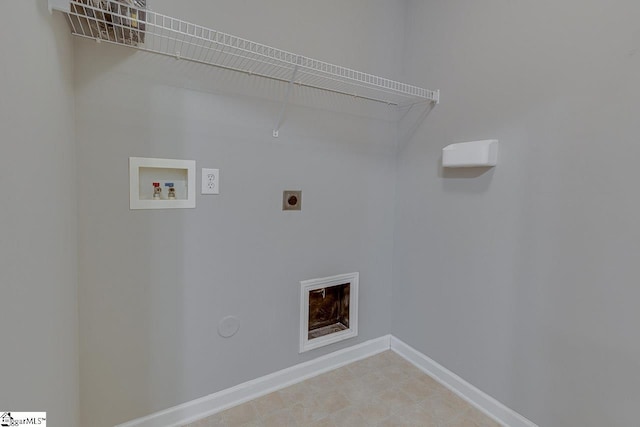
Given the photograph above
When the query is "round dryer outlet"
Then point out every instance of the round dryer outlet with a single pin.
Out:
(291, 200)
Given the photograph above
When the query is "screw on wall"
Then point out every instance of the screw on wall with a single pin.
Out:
(291, 200)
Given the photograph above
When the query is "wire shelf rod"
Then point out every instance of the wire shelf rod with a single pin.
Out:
(169, 36)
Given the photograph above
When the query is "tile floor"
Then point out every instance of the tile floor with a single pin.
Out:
(382, 390)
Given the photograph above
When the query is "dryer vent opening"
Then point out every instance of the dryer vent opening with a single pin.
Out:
(329, 310)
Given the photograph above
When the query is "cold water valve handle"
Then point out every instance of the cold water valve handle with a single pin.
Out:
(172, 190)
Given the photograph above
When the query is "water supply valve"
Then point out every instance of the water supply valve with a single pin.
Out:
(157, 191)
(171, 190)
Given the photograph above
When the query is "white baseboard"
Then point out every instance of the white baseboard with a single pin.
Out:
(468, 392)
(216, 402)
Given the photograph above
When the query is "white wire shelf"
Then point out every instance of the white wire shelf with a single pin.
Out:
(122, 23)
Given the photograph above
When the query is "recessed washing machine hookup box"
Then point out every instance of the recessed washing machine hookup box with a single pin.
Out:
(161, 183)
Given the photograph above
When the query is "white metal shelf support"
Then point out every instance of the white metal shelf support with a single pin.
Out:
(276, 128)
(118, 22)
(61, 5)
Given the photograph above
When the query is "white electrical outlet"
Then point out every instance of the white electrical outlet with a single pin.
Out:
(210, 181)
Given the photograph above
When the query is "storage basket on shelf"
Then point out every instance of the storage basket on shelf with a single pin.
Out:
(120, 21)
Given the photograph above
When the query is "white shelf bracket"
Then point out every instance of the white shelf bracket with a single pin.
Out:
(403, 115)
(61, 5)
(276, 129)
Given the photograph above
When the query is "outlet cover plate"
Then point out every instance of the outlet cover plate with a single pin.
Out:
(210, 181)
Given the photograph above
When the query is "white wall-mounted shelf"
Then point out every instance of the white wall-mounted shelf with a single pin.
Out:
(179, 174)
(471, 154)
(115, 22)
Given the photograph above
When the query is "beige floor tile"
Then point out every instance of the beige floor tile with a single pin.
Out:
(325, 422)
(378, 361)
(447, 409)
(349, 417)
(383, 391)
(373, 382)
(419, 390)
(389, 422)
(398, 362)
(333, 402)
(396, 399)
(323, 383)
(240, 415)
(370, 379)
(308, 413)
(374, 412)
(295, 393)
(268, 404)
(454, 402)
(418, 415)
(357, 394)
(359, 368)
(435, 385)
(395, 376)
(282, 418)
(210, 422)
(335, 380)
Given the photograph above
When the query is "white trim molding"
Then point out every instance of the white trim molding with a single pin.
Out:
(479, 399)
(225, 399)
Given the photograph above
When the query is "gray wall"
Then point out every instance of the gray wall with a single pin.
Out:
(524, 279)
(38, 250)
(154, 284)
(520, 279)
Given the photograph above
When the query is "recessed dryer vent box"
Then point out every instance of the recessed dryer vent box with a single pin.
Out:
(161, 183)
(471, 154)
